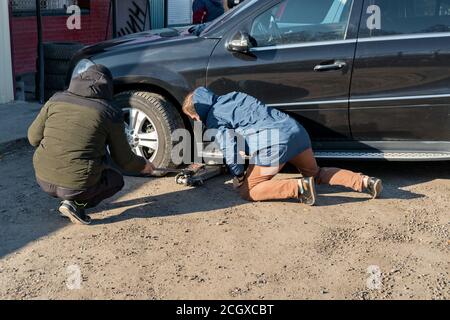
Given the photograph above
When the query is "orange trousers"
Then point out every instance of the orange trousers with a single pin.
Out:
(259, 186)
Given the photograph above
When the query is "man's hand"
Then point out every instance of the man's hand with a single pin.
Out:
(238, 182)
(243, 155)
(148, 169)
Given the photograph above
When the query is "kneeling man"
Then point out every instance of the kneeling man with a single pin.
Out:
(240, 115)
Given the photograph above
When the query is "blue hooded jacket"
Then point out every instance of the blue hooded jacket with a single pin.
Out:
(271, 137)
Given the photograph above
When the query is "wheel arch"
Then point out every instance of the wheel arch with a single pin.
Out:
(125, 84)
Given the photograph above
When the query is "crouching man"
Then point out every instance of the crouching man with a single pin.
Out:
(240, 115)
(71, 134)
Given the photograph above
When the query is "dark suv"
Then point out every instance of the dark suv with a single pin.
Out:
(367, 78)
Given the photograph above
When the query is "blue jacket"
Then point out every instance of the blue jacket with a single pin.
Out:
(271, 137)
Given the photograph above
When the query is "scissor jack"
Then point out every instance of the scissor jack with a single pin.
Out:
(196, 174)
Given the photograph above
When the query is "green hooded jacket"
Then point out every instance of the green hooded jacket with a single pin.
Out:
(74, 129)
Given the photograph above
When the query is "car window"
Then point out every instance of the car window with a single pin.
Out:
(236, 10)
(402, 17)
(300, 21)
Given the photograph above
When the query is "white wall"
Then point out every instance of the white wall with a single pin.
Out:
(6, 75)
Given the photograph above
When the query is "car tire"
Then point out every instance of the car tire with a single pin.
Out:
(55, 81)
(50, 93)
(59, 67)
(164, 117)
(61, 50)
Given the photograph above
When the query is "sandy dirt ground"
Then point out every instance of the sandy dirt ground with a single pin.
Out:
(157, 240)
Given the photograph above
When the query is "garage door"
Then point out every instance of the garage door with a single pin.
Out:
(179, 12)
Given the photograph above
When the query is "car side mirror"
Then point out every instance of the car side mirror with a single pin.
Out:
(241, 42)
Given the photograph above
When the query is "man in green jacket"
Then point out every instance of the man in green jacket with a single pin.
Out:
(71, 134)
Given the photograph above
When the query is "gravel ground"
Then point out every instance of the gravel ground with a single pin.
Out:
(157, 240)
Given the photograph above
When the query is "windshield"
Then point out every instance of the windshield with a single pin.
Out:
(228, 15)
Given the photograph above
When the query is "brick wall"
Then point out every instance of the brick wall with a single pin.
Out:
(24, 35)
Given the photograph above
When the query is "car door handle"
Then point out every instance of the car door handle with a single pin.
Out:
(336, 65)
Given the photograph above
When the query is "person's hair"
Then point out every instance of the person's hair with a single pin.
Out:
(188, 105)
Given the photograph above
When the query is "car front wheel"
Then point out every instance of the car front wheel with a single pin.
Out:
(150, 119)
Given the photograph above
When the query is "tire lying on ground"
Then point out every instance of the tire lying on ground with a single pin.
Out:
(150, 120)
(57, 56)
(61, 50)
(56, 66)
(49, 93)
(55, 81)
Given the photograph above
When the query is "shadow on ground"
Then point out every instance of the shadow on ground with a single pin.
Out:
(26, 214)
(177, 203)
(394, 175)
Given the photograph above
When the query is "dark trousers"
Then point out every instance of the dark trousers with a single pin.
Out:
(110, 183)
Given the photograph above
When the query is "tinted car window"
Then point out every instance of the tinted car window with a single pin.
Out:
(399, 17)
(300, 21)
(235, 11)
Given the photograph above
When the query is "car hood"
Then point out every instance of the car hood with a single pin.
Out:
(142, 39)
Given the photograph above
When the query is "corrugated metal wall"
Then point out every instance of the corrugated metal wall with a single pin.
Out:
(179, 12)
(157, 13)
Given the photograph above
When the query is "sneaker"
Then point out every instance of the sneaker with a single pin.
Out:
(75, 212)
(307, 191)
(374, 187)
(60, 213)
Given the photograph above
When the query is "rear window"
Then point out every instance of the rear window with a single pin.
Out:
(403, 17)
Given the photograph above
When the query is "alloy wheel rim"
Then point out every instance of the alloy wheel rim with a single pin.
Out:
(141, 133)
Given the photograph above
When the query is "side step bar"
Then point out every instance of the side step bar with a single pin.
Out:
(391, 156)
(216, 157)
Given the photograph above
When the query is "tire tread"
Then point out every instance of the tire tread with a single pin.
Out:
(166, 110)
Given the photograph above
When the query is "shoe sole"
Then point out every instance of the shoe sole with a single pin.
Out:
(312, 184)
(378, 187)
(312, 190)
(62, 215)
(75, 219)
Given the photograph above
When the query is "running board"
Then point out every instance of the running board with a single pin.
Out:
(216, 157)
(391, 156)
